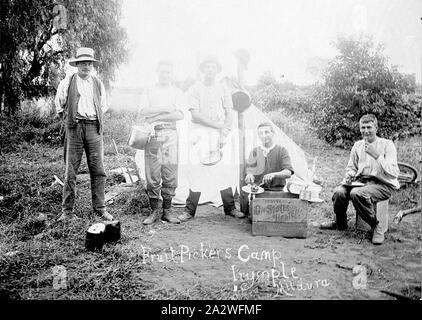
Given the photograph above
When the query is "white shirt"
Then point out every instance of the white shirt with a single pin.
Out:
(266, 150)
(86, 106)
(384, 168)
(210, 101)
(159, 96)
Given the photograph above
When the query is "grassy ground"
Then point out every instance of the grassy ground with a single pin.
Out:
(32, 243)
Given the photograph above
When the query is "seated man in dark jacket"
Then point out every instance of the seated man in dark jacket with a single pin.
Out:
(269, 164)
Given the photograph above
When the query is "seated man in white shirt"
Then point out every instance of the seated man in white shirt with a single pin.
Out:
(373, 161)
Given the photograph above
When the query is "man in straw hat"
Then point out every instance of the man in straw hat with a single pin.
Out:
(162, 106)
(211, 105)
(373, 163)
(80, 103)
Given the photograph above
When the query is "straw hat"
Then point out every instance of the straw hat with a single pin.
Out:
(83, 54)
(210, 58)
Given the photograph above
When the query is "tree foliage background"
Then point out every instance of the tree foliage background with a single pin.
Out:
(360, 81)
(38, 36)
(357, 81)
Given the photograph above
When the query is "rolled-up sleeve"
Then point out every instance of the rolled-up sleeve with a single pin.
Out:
(61, 95)
(193, 98)
(352, 165)
(227, 102)
(388, 162)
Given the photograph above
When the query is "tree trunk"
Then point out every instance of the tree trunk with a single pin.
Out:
(1, 97)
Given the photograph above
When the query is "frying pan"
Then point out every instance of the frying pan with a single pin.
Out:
(211, 158)
(241, 100)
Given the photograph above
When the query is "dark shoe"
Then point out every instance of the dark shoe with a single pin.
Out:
(169, 216)
(104, 214)
(185, 216)
(192, 202)
(154, 216)
(236, 213)
(332, 225)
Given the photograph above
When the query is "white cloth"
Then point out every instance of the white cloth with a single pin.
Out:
(265, 150)
(86, 106)
(210, 101)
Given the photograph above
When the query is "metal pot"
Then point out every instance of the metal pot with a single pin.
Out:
(139, 137)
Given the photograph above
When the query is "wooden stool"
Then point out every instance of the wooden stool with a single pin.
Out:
(381, 210)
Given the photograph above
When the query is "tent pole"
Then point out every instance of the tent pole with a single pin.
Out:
(241, 127)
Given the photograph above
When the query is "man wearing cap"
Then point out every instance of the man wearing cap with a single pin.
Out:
(373, 161)
(80, 103)
(162, 107)
(210, 104)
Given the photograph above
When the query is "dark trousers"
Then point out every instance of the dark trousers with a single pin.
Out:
(226, 196)
(244, 202)
(84, 136)
(363, 199)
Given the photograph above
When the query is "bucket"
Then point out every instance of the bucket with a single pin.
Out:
(95, 237)
(139, 137)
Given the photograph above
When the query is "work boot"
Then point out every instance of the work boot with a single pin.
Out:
(377, 235)
(331, 225)
(185, 216)
(168, 215)
(192, 203)
(154, 216)
(236, 213)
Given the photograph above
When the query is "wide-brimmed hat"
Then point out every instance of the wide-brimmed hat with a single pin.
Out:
(83, 54)
(210, 58)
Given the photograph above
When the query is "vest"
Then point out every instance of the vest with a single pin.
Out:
(72, 101)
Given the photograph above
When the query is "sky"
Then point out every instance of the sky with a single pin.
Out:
(281, 36)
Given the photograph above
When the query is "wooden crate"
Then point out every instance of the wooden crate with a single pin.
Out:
(279, 214)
